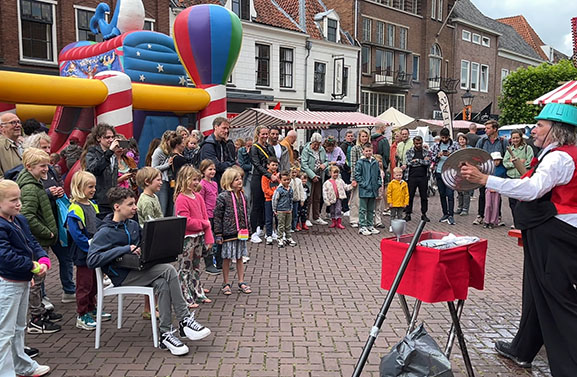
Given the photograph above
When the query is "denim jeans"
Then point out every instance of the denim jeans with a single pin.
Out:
(66, 267)
(295, 215)
(268, 218)
(165, 198)
(13, 308)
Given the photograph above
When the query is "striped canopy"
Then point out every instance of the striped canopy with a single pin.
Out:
(301, 119)
(566, 93)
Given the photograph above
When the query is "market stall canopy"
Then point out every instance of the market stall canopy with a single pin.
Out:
(300, 119)
(566, 93)
(396, 118)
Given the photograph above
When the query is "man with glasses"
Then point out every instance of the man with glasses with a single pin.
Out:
(10, 148)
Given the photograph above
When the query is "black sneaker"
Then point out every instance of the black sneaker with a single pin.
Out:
(52, 316)
(425, 218)
(444, 218)
(39, 325)
(169, 341)
(451, 220)
(407, 217)
(192, 329)
(504, 349)
(31, 352)
(212, 270)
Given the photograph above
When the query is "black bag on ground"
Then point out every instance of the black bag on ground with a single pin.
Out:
(417, 355)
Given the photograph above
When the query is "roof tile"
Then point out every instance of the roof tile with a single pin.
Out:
(521, 26)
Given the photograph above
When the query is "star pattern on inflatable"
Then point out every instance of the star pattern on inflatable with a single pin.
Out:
(182, 81)
(160, 68)
(142, 78)
(149, 45)
(137, 53)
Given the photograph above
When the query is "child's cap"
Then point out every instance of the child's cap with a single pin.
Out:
(496, 156)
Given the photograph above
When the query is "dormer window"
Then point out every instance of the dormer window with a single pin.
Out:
(332, 29)
(241, 8)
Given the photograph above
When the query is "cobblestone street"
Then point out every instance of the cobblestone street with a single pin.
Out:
(310, 313)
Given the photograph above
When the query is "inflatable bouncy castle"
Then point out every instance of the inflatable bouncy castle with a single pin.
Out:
(135, 80)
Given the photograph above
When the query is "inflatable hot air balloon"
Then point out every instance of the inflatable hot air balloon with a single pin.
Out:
(208, 39)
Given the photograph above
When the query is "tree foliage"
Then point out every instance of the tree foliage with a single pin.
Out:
(527, 84)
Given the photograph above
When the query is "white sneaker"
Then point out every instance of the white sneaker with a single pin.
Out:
(274, 235)
(390, 229)
(280, 244)
(354, 225)
(259, 232)
(308, 223)
(255, 238)
(365, 232)
(169, 341)
(348, 213)
(68, 298)
(193, 330)
(106, 281)
(245, 259)
(41, 370)
(269, 240)
(373, 230)
(320, 221)
(47, 304)
(291, 242)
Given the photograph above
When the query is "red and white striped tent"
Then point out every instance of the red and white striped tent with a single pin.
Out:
(566, 93)
(301, 119)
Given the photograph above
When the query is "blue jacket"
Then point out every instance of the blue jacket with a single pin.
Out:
(76, 224)
(18, 249)
(111, 241)
(244, 160)
(282, 199)
(368, 177)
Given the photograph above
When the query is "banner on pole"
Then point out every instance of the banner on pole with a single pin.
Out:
(446, 111)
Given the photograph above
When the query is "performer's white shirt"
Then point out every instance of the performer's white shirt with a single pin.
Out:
(555, 169)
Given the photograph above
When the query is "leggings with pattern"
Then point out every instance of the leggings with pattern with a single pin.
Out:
(189, 270)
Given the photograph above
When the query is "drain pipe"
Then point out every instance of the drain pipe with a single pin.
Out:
(308, 46)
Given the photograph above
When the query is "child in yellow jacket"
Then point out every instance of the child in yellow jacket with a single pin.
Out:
(397, 195)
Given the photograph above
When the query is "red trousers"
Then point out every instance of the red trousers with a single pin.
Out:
(85, 290)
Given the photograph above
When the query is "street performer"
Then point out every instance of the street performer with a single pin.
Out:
(547, 217)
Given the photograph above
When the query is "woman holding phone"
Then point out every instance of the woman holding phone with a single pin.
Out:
(127, 167)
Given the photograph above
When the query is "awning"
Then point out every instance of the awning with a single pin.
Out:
(396, 118)
(301, 119)
(566, 93)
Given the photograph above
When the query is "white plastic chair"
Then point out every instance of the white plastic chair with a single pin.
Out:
(120, 291)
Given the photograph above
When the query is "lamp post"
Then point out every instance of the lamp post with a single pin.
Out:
(467, 103)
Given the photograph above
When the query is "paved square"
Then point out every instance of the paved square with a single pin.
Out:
(310, 313)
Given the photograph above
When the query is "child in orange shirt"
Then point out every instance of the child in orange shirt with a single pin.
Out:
(268, 187)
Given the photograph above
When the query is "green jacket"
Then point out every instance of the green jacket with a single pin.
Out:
(37, 210)
(308, 161)
(525, 152)
(368, 177)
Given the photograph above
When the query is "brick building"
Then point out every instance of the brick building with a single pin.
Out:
(32, 32)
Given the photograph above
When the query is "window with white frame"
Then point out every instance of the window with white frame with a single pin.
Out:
(262, 57)
(384, 62)
(367, 25)
(390, 35)
(286, 67)
(486, 41)
(474, 76)
(435, 62)
(83, 32)
(380, 33)
(345, 81)
(416, 62)
(465, 66)
(319, 79)
(476, 39)
(403, 33)
(38, 30)
(415, 7)
(332, 30)
(484, 86)
(504, 74)
(373, 103)
(402, 63)
(241, 8)
(440, 10)
(434, 9)
(148, 24)
(366, 59)
(466, 35)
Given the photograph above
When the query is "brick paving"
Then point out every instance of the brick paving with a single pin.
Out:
(309, 315)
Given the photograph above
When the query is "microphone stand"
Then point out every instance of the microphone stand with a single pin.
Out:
(388, 301)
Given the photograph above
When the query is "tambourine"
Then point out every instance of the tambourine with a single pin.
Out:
(451, 171)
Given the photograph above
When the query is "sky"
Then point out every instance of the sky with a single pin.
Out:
(551, 19)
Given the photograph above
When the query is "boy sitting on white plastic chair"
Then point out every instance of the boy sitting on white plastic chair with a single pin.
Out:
(119, 235)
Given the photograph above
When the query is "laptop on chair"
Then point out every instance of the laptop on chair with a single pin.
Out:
(161, 242)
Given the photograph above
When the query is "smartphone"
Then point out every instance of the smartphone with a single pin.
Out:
(133, 171)
(123, 144)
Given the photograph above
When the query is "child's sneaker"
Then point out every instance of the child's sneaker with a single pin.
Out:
(245, 259)
(105, 316)
(52, 316)
(41, 370)
(308, 223)
(365, 232)
(280, 244)
(192, 329)
(255, 238)
(86, 322)
(274, 235)
(373, 230)
(259, 232)
(269, 240)
(355, 225)
(169, 341)
(40, 325)
(291, 242)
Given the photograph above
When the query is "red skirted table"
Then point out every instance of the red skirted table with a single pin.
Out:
(434, 275)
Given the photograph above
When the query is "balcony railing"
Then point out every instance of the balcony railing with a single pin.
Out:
(399, 79)
(446, 84)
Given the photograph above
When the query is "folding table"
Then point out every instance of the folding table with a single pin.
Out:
(435, 275)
